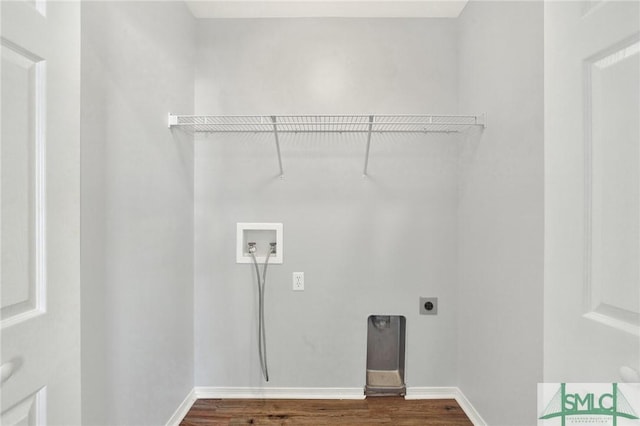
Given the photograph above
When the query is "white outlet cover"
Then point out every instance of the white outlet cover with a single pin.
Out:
(298, 281)
(242, 252)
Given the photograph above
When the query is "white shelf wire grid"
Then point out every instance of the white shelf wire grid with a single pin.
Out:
(363, 123)
(371, 123)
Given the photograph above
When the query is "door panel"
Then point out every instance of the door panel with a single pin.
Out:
(23, 211)
(39, 213)
(592, 190)
(29, 411)
(613, 186)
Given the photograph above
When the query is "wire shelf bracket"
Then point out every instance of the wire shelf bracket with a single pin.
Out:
(275, 135)
(360, 123)
(366, 155)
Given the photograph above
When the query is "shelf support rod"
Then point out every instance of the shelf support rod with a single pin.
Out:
(366, 155)
(275, 134)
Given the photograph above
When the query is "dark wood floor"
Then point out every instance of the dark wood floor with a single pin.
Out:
(370, 411)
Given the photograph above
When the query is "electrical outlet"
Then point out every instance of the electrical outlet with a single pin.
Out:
(298, 281)
(428, 306)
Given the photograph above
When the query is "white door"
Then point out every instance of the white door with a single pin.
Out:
(592, 191)
(40, 291)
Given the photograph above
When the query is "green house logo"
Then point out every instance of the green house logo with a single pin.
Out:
(566, 404)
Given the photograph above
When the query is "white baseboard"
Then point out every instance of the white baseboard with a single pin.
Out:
(182, 409)
(209, 392)
(431, 392)
(279, 393)
(447, 393)
(469, 409)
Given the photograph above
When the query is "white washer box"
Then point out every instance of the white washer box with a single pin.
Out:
(262, 234)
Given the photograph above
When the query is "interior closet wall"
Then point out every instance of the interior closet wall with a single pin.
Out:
(434, 213)
(366, 245)
(137, 212)
(501, 216)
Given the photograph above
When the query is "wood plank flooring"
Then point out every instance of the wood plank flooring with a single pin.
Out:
(370, 411)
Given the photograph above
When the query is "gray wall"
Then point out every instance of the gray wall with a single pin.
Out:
(460, 220)
(501, 217)
(366, 245)
(137, 212)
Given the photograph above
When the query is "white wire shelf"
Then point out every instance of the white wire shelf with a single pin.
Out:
(406, 123)
(361, 123)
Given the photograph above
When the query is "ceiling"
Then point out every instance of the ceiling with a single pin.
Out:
(325, 8)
